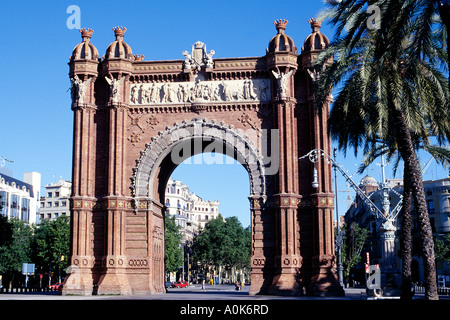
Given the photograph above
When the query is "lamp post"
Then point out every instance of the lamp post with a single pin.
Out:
(383, 216)
(314, 156)
(339, 235)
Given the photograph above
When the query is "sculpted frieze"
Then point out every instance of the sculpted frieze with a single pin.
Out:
(200, 91)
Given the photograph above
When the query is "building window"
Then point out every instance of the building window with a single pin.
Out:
(430, 206)
(14, 206)
(25, 210)
(4, 203)
(433, 227)
(49, 194)
(63, 203)
(57, 194)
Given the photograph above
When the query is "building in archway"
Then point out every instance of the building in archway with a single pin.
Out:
(136, 120)
(191, 212)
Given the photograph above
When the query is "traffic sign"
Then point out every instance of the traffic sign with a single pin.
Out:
(28, 269)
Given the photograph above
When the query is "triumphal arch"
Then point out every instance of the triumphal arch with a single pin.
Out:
(135, 120)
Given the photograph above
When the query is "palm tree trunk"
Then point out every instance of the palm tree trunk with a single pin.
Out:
(414, 180)
(406, 240)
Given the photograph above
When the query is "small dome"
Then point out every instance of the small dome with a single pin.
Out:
(119, 49)
(368, 181)
(281, 41)
(316, 40)
(85, 50)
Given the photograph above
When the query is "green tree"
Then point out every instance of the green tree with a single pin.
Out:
(354, 240)
(207, 247)
(173, 253)
(5, 230)
(223, 243)
(51, 245)
(442, 248)
(237, 248)
(17, 250)
(393, 91)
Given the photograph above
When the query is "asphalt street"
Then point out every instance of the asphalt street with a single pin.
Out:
(214, 302)
(195, 292)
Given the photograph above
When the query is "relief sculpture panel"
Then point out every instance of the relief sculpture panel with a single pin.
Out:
(200, 91)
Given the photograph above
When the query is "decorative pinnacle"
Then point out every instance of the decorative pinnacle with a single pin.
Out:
(86, 34)
(139, 57)
(119, 32)
(280, 24)
(315, 24)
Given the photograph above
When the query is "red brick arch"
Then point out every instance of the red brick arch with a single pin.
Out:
(135, 120)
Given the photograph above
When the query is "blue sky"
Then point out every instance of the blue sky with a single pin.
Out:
(36, 120)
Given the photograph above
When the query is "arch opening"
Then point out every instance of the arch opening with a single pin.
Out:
(206, 187)
(179, 143)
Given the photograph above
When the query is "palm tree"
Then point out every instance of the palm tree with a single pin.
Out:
(392, 91)
(441, 156)
(444, 13)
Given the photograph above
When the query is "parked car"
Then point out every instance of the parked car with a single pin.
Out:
(55, 287)
(180, 284)
(168, 284)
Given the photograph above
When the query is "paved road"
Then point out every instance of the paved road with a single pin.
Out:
(193, 292)
(216, 302)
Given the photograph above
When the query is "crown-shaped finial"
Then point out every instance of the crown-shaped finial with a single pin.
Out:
(315, 24)
(119, 32)
(139, 57)
(86, 33)
(280, 24)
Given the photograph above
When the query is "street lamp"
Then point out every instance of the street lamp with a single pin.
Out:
(315, 183)
(339, 234)
(314, 156)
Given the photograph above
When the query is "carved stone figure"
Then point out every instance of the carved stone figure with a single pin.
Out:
(114, 88)
(134, 95)
(198, 58)
(154, 95)
(187, 60)
(78, 88)
(282, 82)
(249, 94)
(209, 60)
(313, 73)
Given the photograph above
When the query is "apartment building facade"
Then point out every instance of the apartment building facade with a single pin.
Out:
(19, 198)
(56, 202)
(191, 212)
